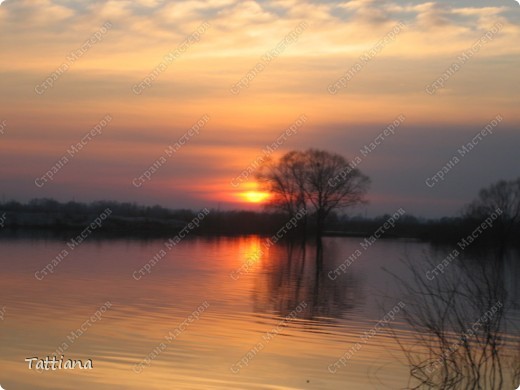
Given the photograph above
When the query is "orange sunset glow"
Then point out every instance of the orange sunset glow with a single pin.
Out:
(259, 194)
(255, 196)
(253, 68)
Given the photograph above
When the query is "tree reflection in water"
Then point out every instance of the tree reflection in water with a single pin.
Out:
(296, 273)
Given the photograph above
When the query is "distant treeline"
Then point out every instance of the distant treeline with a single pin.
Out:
(442, 230)
(129, 219)
(47, 216)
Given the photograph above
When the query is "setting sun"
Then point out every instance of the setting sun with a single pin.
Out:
(255, 196)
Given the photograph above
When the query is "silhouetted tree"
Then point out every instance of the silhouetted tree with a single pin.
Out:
(503, 196)
(285, 180)
(316, 180)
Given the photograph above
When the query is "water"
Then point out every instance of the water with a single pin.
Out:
(276, 318)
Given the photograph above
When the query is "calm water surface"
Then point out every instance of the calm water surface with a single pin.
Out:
(304, 316)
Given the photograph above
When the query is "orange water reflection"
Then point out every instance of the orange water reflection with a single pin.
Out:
(40, 315)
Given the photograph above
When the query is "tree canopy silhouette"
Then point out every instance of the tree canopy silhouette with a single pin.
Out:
(504, 196)
(313, 180)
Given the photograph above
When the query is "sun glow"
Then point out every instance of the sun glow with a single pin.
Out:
(255, 196)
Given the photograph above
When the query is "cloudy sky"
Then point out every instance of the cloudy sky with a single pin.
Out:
(212, 46)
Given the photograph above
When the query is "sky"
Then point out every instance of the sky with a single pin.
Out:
(130, 79)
